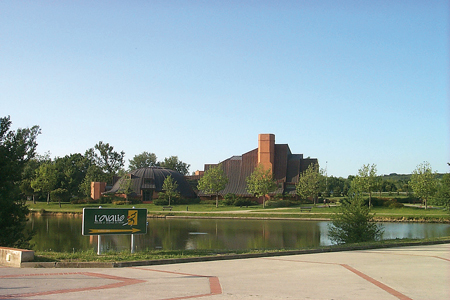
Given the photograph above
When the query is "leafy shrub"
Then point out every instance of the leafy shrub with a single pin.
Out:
(353, 223)
(229, 199)
(233, 200)
(161, 201)
(78, 201)
(280, 203)
(395, 204)
(119, 202)
(243, 202)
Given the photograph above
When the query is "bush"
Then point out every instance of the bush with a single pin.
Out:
(120, 202)
(243, 202)
(395, 204)
(229, 199)
(280, 203)
(80, 200)
(385, 202)
(161, 201)
(233, 200)
(353, 223)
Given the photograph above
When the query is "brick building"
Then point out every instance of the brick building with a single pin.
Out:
(286, 167)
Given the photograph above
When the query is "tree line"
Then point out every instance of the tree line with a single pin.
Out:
(423, 183)
(68, 177)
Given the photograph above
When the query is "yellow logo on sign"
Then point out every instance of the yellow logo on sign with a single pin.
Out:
(132, 217)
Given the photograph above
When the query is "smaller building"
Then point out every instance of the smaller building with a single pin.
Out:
(146, 184)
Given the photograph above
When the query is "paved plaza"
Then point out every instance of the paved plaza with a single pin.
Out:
(417, 272)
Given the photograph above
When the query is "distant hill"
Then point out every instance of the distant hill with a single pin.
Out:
(403, 177)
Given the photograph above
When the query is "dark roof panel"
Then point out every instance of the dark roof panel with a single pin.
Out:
(153, 178)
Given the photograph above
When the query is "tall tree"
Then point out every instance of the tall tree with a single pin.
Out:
(309, 183)
(29, 172)
(16, 149)
(366, 180)
(175, 164)
(71, 170)
(170, 187)
(423, 182)
(213, 181)
(45, 180)
(260, 183)
(104, 156)
(143, 160)
(443, 192)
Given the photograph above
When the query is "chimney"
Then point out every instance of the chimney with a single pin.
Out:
(266, 150)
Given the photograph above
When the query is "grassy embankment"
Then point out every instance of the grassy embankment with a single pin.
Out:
(126, 256)
(415, 213)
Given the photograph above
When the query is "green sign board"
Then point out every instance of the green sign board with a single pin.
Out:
(102, 221)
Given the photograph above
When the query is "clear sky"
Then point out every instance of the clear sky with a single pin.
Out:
(347, 82)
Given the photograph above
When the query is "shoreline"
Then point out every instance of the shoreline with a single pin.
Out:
(217, 215)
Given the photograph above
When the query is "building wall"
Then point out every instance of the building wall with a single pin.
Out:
(97, 188)
(266, 150)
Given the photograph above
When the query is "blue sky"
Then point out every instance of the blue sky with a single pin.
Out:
(347, 82)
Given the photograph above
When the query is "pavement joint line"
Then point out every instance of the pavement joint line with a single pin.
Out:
(373, 281)
(123, 281)
(214, 282)
(402, 254)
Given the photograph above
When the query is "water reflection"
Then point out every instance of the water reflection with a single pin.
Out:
(64, 234)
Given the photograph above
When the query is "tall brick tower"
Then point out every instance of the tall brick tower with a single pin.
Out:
(266, 150)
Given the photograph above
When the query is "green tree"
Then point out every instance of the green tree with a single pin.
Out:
(175, 164)
(93, 174)
(104, 156)
(170, 187)
(71, 171)
(353, 222)
(366, 181)
(16, 149)
(423, 182)
(28, 174)
(309, 183)
(45, 180)
(443, 192)
(143, 160)
(213, 181)
(260, 183)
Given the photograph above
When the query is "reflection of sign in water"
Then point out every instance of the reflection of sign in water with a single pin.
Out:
(100, 221)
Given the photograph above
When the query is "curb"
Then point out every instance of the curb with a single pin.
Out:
(217, 257)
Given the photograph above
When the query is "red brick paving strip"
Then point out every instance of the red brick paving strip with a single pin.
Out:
(214, 283)
(377, 283)
(123, 281)
(360, 274)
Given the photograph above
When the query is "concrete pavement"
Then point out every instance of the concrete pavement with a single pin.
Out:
(417, 272)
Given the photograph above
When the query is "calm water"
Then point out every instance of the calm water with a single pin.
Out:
(64, 234)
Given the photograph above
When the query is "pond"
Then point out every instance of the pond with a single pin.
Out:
(63, 234)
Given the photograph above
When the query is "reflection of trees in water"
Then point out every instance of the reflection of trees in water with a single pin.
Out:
(64, 234)
(61, 234)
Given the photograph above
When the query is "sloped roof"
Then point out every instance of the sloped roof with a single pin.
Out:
(153, 178)
(287, 169)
